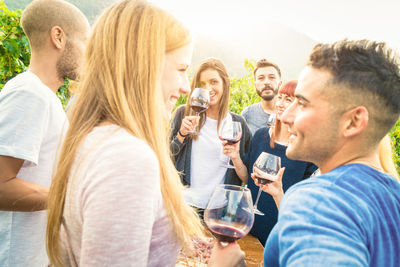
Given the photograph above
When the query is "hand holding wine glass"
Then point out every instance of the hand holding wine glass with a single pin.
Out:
(199, 101)
(231, 132)
(265, 170)
(229, 214)
(275, 189)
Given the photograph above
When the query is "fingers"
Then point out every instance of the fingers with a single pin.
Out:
(280, 174)
(188, 124)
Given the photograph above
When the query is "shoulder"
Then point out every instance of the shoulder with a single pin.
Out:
(249, 108)
(261, 133)
(236, 117)
(28, 88)
(114, 143)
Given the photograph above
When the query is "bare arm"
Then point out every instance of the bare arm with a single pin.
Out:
(17, 194)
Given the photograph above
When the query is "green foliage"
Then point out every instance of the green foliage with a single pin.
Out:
(243, 93)
(395, 134)
(14, 46)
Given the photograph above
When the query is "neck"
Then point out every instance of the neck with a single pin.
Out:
(268, 105)
(345, 157)
(44, 66)
(283, 134)
(212, 112)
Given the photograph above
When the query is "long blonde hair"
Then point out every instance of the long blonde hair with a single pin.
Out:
(121, 85)
(386, 157)
(217, 65)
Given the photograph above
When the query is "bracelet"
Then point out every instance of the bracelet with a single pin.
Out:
(183, 135)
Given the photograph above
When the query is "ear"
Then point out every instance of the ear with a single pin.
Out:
(58, 37)
(355, 121)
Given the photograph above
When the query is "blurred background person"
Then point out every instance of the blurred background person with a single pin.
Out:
(267, 80)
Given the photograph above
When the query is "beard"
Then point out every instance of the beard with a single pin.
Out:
(270, 96)
(67, 64)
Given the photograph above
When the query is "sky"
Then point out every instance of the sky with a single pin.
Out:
(322, 20)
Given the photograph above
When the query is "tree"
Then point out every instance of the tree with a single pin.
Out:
(14, 46)
(14, 49)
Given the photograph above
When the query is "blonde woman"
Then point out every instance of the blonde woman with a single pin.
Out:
(116, 197)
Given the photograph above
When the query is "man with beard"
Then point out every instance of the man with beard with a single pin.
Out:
(267, 80)
(32, 122)
(347, 100)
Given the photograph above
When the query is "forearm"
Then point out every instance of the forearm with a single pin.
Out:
(278, 199)
(240, 169)
(19, 195)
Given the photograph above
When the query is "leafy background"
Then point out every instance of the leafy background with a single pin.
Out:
(15, 53)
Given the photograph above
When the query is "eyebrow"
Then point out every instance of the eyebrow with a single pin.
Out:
(298, 96)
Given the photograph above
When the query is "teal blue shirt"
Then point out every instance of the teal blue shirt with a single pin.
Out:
(347, 217)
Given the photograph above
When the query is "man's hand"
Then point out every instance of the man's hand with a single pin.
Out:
(228, 256)
(17, 194)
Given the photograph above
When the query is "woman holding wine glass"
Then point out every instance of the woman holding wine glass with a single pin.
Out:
(116, 197)
(198, 156)
(273, 141)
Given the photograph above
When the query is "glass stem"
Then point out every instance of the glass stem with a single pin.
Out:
(258, 196)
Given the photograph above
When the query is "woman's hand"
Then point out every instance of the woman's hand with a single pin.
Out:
(228, 256)
(231, 151)
(189, 124)
(275, 189)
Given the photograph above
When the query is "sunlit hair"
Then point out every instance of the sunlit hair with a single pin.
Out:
(364, 73)
(40, 16)
(386, 157)
(287, 89)
(217, 65)
(263, 63)
(121, 85)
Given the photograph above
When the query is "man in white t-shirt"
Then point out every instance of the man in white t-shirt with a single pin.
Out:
(32, 122)
(267, 80)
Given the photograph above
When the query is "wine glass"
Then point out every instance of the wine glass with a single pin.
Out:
(199, 101)
(230, 131)
(229, 214)
(271, 120)
(265, 170)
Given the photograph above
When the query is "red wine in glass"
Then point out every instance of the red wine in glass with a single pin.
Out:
(226, 233)
(199, 108)
(229, 214)
(230, 141)
(230, 131)
(199, 101)
(265, 169)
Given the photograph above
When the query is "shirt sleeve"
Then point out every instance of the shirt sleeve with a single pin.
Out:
(23, 122)
(119, 207)
(317, 228)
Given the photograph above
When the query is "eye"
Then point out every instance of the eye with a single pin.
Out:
(214, 82)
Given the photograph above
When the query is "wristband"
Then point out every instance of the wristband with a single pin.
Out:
(183, 135)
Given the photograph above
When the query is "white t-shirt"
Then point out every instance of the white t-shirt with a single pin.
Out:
(114, 210)
(32, 122)
(206, 170)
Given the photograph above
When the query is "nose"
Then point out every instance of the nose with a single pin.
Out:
(288, 115)
(185, 88)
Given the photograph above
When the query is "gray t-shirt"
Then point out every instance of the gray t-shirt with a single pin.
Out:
(255, 117)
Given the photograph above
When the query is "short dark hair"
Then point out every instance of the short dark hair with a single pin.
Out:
(262, 63)
(364, 73)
